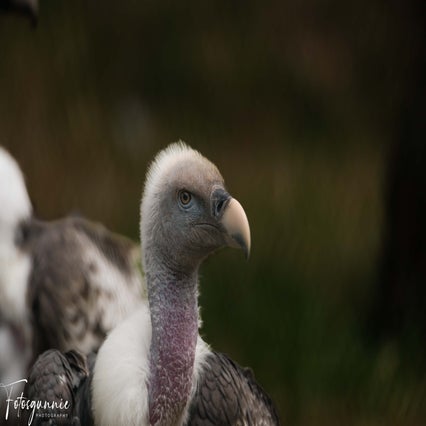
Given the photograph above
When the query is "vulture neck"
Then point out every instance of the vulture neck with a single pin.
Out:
(173, 305)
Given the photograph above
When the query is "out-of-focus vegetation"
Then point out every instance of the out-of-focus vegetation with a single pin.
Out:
(297, 103)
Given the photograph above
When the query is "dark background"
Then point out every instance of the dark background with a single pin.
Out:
(314, 112)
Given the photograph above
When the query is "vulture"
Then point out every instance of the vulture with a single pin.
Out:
(154, 368)
(64, 284)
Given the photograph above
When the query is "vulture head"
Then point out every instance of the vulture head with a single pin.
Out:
(186, 212)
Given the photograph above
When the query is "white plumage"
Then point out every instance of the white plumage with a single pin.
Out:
(15, 207)
(120, 393)
(15, 267)
(14, 199)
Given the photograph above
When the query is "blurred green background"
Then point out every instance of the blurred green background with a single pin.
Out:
(298, 104)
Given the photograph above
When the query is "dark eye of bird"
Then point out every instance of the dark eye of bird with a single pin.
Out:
(185, 197)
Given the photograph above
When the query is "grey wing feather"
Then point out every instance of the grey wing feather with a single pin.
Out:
(228, 394)
(57, 377)
(84, 281)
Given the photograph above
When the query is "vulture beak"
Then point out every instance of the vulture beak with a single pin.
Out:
(236, 225)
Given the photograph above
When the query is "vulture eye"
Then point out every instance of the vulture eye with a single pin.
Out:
(185, 198)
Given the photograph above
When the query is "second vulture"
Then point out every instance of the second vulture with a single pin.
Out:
(64, 284)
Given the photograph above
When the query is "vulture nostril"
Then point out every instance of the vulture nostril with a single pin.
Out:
(219, 206)
(220, 200)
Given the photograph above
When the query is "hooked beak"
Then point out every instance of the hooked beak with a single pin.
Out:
(236, 225)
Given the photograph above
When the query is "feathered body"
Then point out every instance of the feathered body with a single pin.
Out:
(83, 282)
(63, 284)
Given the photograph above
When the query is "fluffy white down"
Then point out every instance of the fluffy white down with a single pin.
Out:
(119, 387)
(15, 268)
(14, 200)
(14, 265)
(165, 161)
(167, 158)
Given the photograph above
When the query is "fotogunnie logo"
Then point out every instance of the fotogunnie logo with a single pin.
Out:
(21, 404)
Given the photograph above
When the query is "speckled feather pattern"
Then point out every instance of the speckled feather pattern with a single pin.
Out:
(84, 281)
